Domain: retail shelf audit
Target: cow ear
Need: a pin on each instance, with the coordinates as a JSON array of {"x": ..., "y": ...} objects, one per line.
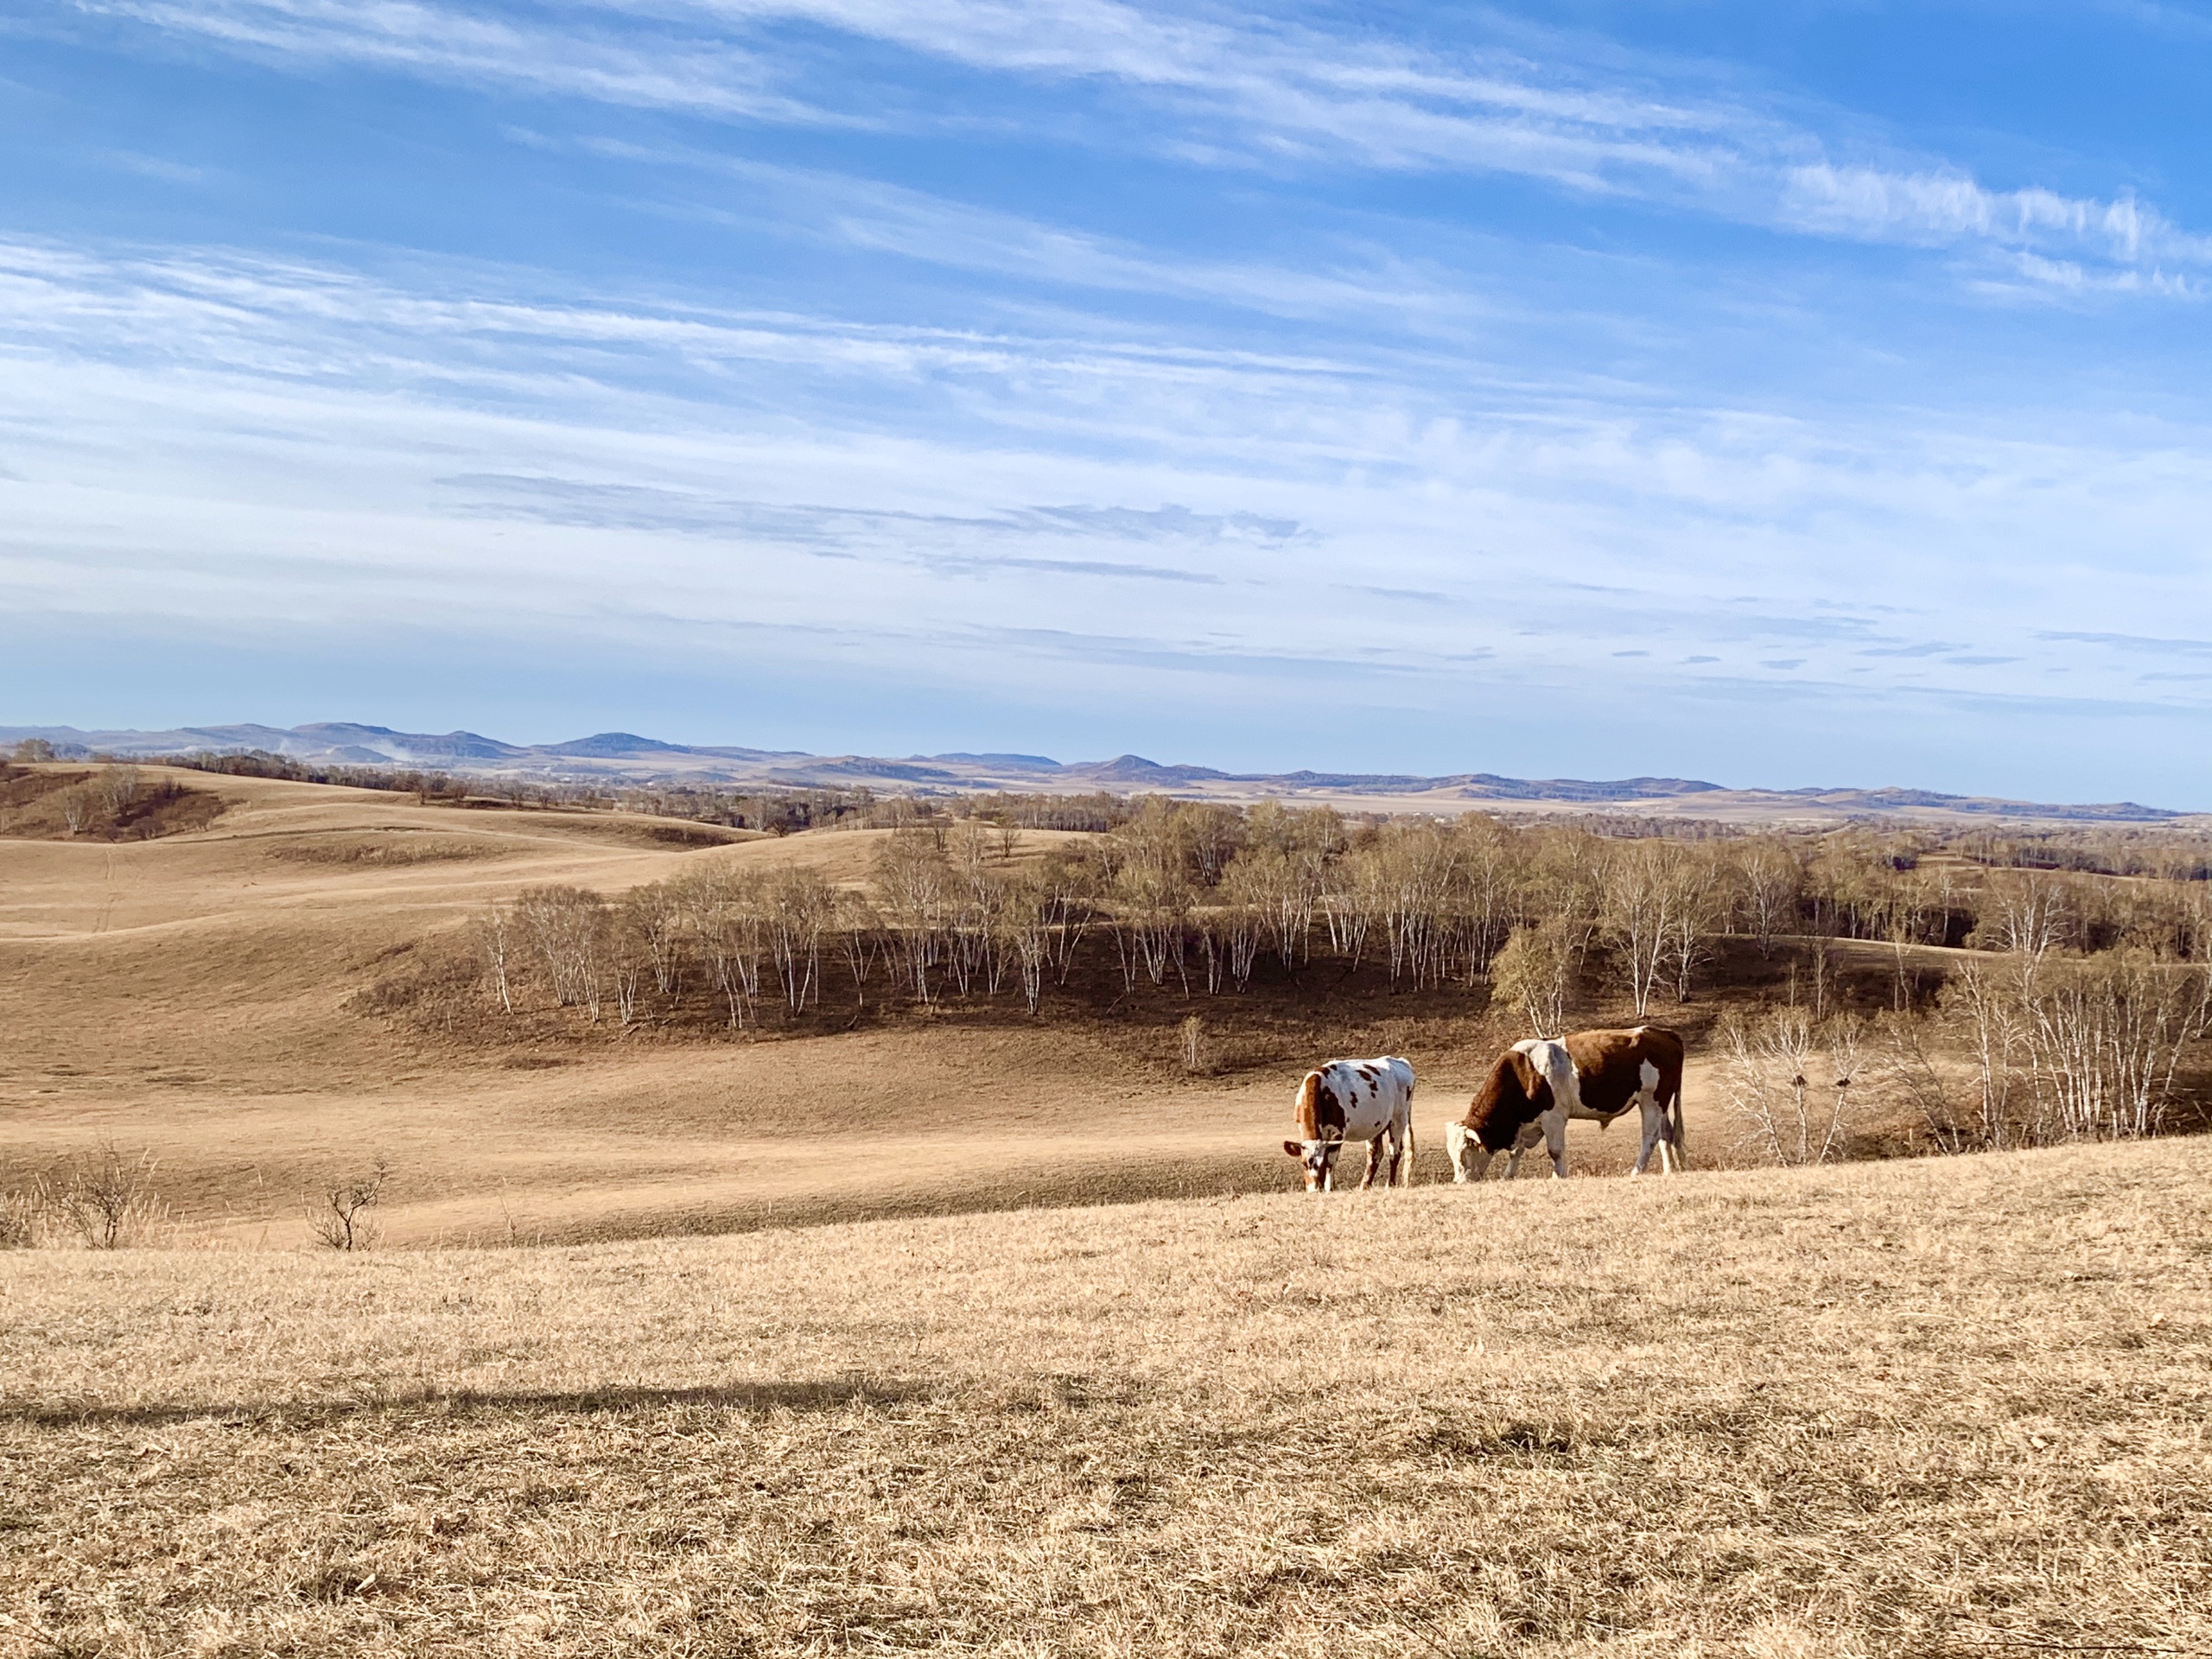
[{"x": 1293, "y": 1148}]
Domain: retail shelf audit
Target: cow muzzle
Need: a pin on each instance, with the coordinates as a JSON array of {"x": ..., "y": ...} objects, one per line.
[{"x": 1317, "y": 1161}]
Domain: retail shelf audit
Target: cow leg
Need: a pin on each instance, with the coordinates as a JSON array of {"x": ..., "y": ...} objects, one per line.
[
  {"x": 1654, "y": 1134},
  {"x": 1663, "y": 1129},
  {"x": 1555, "y": 1141},
  {"x": 1403, "y": 1172},
  {"x": 1374, "y": 1159},
  {"x": 1530, "y": 1133}
]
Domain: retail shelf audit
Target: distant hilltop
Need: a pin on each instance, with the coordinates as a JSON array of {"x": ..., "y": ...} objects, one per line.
[{"x": 626, "y": 758}]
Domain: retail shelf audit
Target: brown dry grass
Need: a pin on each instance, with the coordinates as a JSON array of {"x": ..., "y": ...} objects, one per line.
[
  {"x": 219, "y": 1000},
  {"x": 1908, "y": 1408},
  {"x": 1898, "y": 1409},
  {"x": 168, "y": 803}
]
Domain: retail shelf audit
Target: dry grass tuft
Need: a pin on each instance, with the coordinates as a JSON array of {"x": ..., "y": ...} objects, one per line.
[
  {"x": 387, "y": 851},
  {"x": 1908, "y": 1408}
]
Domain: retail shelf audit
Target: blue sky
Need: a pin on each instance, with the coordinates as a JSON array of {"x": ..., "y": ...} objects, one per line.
[{"x": 1780, "y": 393}]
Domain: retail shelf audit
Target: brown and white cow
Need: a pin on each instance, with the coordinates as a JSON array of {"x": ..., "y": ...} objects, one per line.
[
  {"x": 1355, "y": 1100},
  {"x": 1538, "y": 1085}
]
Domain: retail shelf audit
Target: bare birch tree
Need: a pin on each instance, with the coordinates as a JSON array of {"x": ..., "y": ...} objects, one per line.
[
  {"x": 1773, "y": 880},
  {"x": 495, "y": 942},
  {"x": 1640, "y": 901},
  {"x": 860, "y": 939},
  {"x": 1781, "y": 1111},
  {"x": 567, "y": 928},
  {"x": 1985, "y": 1003},
  {"x": 913, "y": 880},
  {"x": 800, "y": 907}
]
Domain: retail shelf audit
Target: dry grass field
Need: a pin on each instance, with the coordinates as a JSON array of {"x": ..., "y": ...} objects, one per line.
[
  {"x": 1938, "y": 1407},
  {"x": 1931, "y": 1409},
  {"x": 196, "y": 997}
]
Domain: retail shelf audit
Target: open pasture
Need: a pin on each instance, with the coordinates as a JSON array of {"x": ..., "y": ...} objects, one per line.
[
  {"x": 1908, "y": 1408},
  {"x": 201, "y": 997},
  {"x": 1934, "y": 1408}
]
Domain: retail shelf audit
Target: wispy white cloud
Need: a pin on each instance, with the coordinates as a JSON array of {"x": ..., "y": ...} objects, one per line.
[
  {"x": 1944, "y": 206},
  {"x": 586, "y": 54},
  {"x": 1255, "y": 90},
  {"x": 2035, "y": 273},
  {"x": 1246, "y": 92},
  {"x": 2131, "y": 243},
  {"x": 233, "y": 412},
  {"x": 873, "y": 217},
  {"x": 225, "y": 441},
  {"x": 2131, "y": 642}
]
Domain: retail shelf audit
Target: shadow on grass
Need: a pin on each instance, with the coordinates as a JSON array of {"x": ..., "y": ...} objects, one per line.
[
  {"x": 1094, "y": 1182},
  {"x": 827, "y": 1393}
]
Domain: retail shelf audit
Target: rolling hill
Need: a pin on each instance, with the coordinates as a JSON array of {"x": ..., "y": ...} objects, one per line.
[
  {"x": 623, "y": 757},
  {"x": 211, "y": 998}
]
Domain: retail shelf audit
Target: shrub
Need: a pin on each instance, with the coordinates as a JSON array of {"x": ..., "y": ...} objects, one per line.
[
  {"x": 107, "y": 1200},
  {"x": 343, "y": 1218}
]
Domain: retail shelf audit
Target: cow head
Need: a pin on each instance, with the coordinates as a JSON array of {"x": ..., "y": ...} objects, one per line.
[
  {"x": 1319, "y": 1117},
  {"x": 1513, "y": 1095},
  {"x": 1318, "y": 1160}
]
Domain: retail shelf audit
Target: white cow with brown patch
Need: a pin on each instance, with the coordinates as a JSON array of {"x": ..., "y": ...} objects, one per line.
[
  {"x": 1536, "y": 1086},
  {"x": 1355, "y": 1100}
]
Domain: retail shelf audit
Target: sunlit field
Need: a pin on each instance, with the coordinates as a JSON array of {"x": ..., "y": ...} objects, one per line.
[
  {"x": 1937, "y": 1407},
  {"x": 900, "y": 1327}
]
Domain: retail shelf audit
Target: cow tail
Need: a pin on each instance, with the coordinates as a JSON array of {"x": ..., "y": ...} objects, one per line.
[{"x": 1406, "y": 1152}]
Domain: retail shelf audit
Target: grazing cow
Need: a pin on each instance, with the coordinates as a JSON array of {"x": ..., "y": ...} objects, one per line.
[
  {"x": 1355, "y": 1100},
  {"x": 1538, "y": 1085}
]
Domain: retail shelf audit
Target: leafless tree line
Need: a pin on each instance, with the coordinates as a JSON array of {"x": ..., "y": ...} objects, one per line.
[
  {"x": 2065, "y": 1042},
  {"x": 2069, "y": 1007},
  {"x": 1196, "y": 894},
  {"x": 2069, "y": 1018}
]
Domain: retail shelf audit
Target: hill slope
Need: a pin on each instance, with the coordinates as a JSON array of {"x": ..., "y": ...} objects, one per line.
[
  {"x": 201, "y": 997},
  {"x": 1918, "y": 1408}
]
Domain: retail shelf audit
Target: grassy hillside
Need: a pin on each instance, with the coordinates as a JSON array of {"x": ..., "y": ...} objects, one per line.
[
  {"x": 1947, "y": 1406},
  {"x": 212, "y": 997}
]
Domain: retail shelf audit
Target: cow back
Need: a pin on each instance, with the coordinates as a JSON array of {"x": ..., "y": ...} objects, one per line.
[
  {"x": 1354, "y": 1100},
  {"x": 1610, "y": 1065}
]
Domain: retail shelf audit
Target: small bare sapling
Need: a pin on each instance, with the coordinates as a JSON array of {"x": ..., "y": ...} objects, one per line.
[{"x": 345, "y": 1216}]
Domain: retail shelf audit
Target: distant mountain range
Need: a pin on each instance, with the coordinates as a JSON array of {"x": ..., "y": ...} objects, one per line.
[{"x": 623, "y": 757}]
